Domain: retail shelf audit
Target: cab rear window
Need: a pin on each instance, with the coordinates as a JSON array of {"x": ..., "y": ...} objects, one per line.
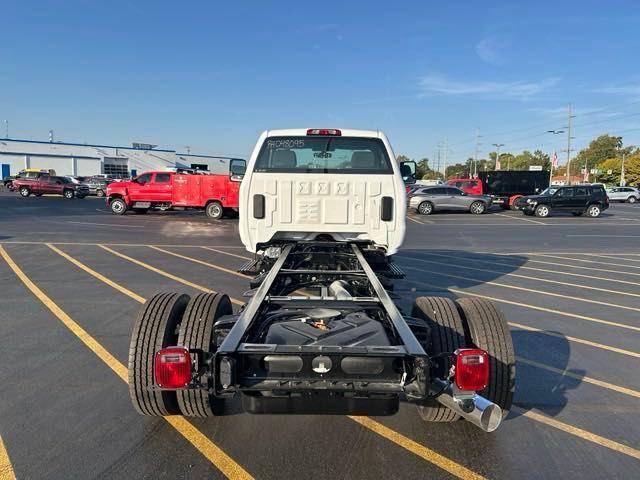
[{"x": 346, "y": 155}]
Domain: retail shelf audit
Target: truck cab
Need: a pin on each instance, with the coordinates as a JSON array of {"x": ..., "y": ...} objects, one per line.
[{"x": 306, "y": 184}]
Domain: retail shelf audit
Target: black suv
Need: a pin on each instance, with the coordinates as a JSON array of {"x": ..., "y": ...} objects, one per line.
[{"x": 577, "y": 199}]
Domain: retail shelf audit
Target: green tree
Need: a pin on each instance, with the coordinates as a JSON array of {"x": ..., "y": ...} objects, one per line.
[{"x": 600, "y": 149}]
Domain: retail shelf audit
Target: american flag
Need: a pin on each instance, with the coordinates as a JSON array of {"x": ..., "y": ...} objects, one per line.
[{"x": 554, "y": 160}]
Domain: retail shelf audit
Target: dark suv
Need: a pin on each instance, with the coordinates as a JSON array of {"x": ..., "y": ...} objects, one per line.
[{"x": 577, "y": 199}]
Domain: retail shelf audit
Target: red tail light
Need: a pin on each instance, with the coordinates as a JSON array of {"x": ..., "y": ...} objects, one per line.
[
  {"x": 472, "y": 369},
  {"x": 172, "y": 367},
  {"x": 324, "y": 131}
]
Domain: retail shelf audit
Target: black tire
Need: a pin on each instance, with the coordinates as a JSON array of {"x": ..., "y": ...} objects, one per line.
[
  {"x": 141, "y": 211},
  {"x": 197, "y": 332},
  {"x": 543, "y": 211},
  {"x": 632, "y": 199},
  {"x": 80, "y": 196},
  {"x": 425, "y": 208},
  {"x": 24, "y": 191},
  {"x": 528, "y": 214},
  {"x": 99, "y": 193},
  {"x": 478, "y": 208},
  {"x": 447, "y": 335},
  {"x": 577, "y": 214},
  {"x": 154, "y": 329},
  {"x": 214, "y": 210},
  {"x": 69, "y": 194},
  {"x": 118, "y": 206},
  {"x": 594, "y": 210},
  {"x": 487, "y": 329}
]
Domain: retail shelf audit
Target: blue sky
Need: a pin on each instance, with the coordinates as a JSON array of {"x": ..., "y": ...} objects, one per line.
[{"x": 212, "y": 75}]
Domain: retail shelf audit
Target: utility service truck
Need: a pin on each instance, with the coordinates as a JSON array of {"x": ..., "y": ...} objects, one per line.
[{"x": 323, "y": 211}]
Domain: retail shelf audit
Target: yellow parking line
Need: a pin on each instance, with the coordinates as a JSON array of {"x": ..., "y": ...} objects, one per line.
[
  {"x": 6, "y": 469},
  {"x": 556, "y": 264},
  {"x": 204, "y": 445},
  {"x": 527, "y": 277},
  {"x": 414, "y": 220},
  {"x": 226, "y": 253},
  {"x": 588, "y": 261},
  {"x": 586, "y": 379},
  {"x": 197, "y": 437},
  {"x": 494, "y": 263},
  {"x": 97, "y": 275},
  {"x": 519, "y": 218},
  {"x": 541, "y": 292},
  {"x": 201, "y": 262},
  {"x": 420, "y": 450},
  {"x": 581, "y": 341},
  {"x": 597, "y": 255},
  {"x": 579, "y": 432},
  {"x": 175, "y": 278},
  {"x": 538, "y": 330}
]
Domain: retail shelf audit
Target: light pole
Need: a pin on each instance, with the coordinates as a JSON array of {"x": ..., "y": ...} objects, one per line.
[{"x": 498, "y": 145}]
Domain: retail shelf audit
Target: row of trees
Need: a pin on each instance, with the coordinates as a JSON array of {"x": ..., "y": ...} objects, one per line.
[{"x": 605, "y": 154}]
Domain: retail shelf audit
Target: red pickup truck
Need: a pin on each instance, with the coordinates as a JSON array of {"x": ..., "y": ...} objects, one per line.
[
  {"x": 48, "y": 184},
  {"x": 215, "y": 194}
]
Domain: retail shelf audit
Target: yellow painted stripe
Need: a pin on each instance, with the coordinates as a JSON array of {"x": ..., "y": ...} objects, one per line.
[
  {"x": 6, "y": 469},
  {"x": 97, "y": 275},
  {"x": 226, "y": 253},
  {"x": 567, "y": 337},
  {"x": 579, "y": 432},
  {"x": 545, "y": 270},
  {"x": 210, "y": 451},
  {"x": 582, "y": 378},
  {"x": 542, "y": 292},
  {"x": 588, "y": 261},
  {"x": 175, "y": 278},
  {"x": 538, "y": 330},
  {"x": 527, "y": 277},
  {"x": 549, "y": 294},
  {"x": 201, "y": 262},
  {"x": 417, "y": 449},
  {"x": 611, "y": 257}
]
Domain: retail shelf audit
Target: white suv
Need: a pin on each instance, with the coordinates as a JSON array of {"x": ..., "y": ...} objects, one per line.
[{"x": 303, "y": 184}]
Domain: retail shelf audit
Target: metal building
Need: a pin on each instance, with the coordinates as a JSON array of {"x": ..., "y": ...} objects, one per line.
[{"x": 85, "y": 160}]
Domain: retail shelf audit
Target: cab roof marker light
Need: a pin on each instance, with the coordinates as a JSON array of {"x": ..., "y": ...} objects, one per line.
[{"x": 334, "y": 132}]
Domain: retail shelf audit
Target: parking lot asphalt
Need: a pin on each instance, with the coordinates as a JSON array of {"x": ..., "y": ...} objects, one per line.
[{"x": 72, "y": 277}]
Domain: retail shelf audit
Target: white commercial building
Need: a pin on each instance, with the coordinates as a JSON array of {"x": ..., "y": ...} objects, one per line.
[{"x": 85, "y": 160}]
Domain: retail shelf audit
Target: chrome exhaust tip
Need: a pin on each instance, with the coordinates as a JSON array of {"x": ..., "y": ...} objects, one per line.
[{"x": 474, "y": 408}]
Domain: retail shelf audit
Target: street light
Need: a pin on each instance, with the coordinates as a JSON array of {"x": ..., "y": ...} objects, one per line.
[{"x": 498, "y": 145}]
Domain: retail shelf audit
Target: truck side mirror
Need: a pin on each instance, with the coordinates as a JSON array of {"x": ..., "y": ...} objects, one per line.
[
  {"x": 408, "y": 171},
  {"x": 237, "y": 167}
]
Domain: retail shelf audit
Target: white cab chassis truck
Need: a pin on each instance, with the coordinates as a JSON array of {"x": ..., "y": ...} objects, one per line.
[{"x": 322, "y": 210}]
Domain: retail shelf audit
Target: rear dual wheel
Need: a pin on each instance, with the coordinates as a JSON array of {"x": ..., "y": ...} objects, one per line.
[
  {"x": 169, "y": 319},
  {"x": 467, "y": 323}
]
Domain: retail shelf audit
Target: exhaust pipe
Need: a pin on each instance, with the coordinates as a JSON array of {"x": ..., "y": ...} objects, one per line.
[{"x": 474, "y": 408}]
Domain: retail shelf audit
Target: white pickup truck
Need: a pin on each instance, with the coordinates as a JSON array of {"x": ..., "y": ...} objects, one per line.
[{"x": 323, "y": 210}]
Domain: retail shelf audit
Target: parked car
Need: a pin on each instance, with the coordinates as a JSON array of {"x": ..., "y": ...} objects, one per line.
[
  {"x": 623, "y": 194},
  {"x": 578, "y": 199},
  {"x": 26, "y": 173},
  {"x": 47, "y": 184},
  {"x": 98, "y": 185},
  {"x": 427, "y": 200}
]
